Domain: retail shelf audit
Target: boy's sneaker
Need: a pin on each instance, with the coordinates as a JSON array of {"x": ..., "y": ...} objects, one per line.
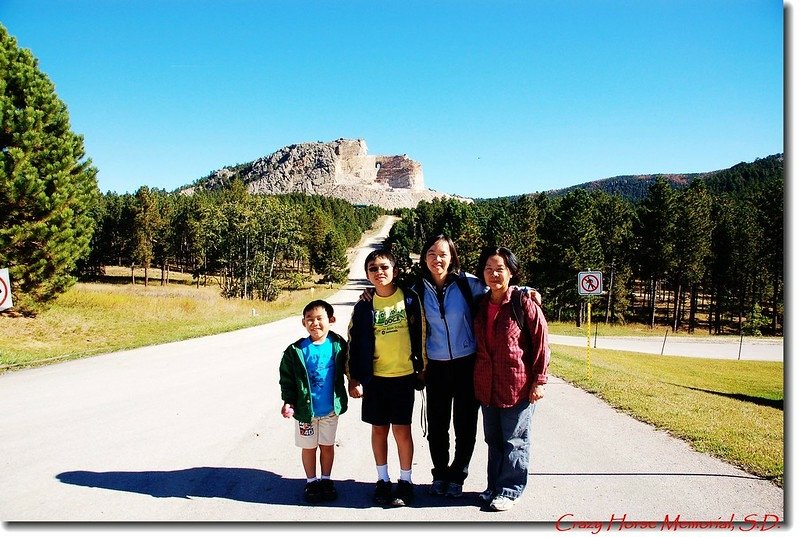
[
  {"x": 454, "y": 490},
  {"x": 313, "y": 493},
  {"x": 502, "y": 503},
  {"x": 383, "y": 492},
  {"x": 438, "y": 488},
  {"x": 403, "y": 495},
  {"x": 486, "y": 496},
  {"x": 328, "y": 490}
]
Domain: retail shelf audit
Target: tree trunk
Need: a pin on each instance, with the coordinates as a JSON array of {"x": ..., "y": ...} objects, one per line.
[
  {"x": 692, "y": 310},
  {"x": 610, "y": 295},
  {"x": 654, "y": 302},
  {"x": 677, "y": 302}
]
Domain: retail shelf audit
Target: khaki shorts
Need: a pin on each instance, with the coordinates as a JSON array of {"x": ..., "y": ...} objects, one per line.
[{"x": 321, "y": 431}]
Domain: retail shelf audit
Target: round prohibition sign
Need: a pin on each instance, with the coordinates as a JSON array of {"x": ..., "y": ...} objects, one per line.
[
  {"x": 589, "y": 283},
  {"x": 3, "y": 291}
]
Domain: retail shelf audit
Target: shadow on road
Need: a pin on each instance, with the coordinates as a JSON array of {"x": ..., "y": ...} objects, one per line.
[
  {"x": 243, "y": 485},
  {"x": 649, "y": 474}
]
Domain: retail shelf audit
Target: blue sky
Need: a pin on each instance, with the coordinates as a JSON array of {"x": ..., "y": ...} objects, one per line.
[{"x": 493, "y": 98}]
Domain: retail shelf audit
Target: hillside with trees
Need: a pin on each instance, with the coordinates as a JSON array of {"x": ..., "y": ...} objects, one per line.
[
  {"x": 704, "y": 256},
  {"x": 636, "y": 187},
  {"x": 251, "y": 245}
]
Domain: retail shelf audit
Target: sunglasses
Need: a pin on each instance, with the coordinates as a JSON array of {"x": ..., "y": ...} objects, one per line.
[{"x": 384, "y": 268}]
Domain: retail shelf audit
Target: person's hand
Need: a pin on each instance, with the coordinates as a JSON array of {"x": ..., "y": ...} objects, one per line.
[
  {"x": 536, "y": 393},
  {"x": 355, "y": 389},
  {"x": 287, "y": 411},
  {"x": 367, "y": 294},
  {"x": 536, "y": 296}
]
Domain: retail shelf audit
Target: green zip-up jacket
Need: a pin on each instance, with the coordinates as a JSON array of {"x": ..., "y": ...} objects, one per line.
[{"x": 295, "y": 387}]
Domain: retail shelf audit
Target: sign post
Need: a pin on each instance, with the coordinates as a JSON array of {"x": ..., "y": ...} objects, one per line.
[
  {"x": 589, "y": 283},
  {"x": 6, "y": 301}
]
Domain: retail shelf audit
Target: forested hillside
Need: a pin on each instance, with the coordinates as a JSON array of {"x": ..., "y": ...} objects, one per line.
[
  {"x": 252, "y": 246},
  {"x": 636, "y": 187},
  {"x": 705, "y": 256}
]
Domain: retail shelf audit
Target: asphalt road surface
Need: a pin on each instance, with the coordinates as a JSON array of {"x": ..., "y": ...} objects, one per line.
[{"x": 191, "y": 432}]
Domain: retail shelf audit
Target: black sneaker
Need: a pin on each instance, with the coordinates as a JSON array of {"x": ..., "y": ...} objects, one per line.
[
  {"x": 383, "y": 492},
  {"x": 403, "y": 495},
  {"x": 313, "y": 493},
  {"x": 328, "y": 490}
]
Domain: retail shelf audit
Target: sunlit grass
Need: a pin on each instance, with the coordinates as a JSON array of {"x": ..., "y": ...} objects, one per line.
[
  {"x": 732, "y": 409},
  {"x": 95, "y": 318}
]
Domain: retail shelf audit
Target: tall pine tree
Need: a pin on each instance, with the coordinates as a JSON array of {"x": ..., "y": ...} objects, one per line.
[{"x": 47, "y": 188}]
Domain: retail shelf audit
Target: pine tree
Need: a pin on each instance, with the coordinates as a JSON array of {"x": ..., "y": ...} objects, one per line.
[
  {"x": 655, "y": 236},
  {"x": 47, "y": 189}
]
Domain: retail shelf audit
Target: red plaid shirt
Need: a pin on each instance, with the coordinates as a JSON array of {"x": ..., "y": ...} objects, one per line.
[{"x": 507, "y": 369}]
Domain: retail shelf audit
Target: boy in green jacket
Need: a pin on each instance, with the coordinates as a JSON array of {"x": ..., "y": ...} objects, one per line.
[{"x": 312, "y": 374}]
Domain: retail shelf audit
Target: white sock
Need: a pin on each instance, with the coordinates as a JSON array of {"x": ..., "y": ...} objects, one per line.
[
  {"x": 382, "y": 472},
  {"x": 310, "y": 479},
  {"x": 405, "y": 475},
  {"x": 325, "y": 477}
]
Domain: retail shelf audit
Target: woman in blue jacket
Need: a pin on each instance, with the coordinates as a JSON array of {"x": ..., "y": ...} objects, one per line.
[{"x": 448, "y": 294}]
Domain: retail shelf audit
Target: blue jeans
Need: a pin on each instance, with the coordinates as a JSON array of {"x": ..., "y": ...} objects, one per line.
[{"x": 507, "y": 433}]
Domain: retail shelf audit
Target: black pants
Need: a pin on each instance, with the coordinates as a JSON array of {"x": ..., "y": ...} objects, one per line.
[{"x": 450, "y": 393}]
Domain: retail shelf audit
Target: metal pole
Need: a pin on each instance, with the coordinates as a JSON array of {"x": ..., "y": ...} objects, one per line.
[
  {"x": 740, "y": 344},
  {"x": 588, "y": 337},
  {"x": 664, "y": 342}
]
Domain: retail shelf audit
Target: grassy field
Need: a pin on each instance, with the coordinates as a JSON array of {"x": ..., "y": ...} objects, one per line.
[
  {"x": 95, "y": 318},
  {"x": 728, "y": 408}
]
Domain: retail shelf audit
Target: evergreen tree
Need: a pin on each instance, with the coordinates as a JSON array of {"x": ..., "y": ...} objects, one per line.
[
  {"x": 47, "y": 188},
  {"x": 333, "y": 258},
  {"x": 693, "y": 230},
  {"x": 614, "y": 222},
  {"x": 655, "y": 238},
  {"x": 146, "y": 225}
]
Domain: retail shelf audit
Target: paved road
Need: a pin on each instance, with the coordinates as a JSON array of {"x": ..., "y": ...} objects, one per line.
[
  {"x": 729, "y": 348},
  {"x": 191, "y": 431}
]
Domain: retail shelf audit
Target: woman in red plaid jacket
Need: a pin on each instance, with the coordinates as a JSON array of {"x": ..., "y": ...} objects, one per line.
[{"x": 509, "y": 373}]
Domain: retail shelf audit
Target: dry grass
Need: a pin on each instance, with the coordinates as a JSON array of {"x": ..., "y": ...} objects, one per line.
[{"x": 95, "y": 318}]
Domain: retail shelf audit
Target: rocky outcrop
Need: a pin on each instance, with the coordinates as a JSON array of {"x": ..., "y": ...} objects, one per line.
[{"x": 342, "y": 169}]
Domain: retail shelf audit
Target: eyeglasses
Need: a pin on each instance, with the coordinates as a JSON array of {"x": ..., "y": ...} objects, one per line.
[{"x": 384, "y": 268}]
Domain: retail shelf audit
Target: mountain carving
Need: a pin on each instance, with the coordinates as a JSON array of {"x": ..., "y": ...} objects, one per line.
[{"x": 341, "y": 169}]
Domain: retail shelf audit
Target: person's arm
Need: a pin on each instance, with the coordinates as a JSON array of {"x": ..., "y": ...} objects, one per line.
[
  {"x": 539, "y": 338},
  {"x": 288, "y": 386},
  {"x": 367, "y": 295},
  {"x": 354, "y": 387}
]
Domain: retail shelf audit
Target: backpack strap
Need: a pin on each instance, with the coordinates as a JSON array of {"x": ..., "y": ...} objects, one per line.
[
  {"x": 518, "y": 309},
  {"x": 466, "y": 291}
]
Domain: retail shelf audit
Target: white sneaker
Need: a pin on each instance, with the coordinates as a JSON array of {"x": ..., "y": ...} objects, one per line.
[{"x": 502, "y": 503}]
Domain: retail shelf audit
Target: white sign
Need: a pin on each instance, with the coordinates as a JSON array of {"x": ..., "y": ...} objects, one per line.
[
  {"x": 589, "y": 283},
  {"x": 5, "y": 290}
]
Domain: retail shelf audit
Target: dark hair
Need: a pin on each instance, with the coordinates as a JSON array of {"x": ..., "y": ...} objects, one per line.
[
  {"x": 510, "y": 261},
  {"x": 318, "y": 304},
  {"x": 454, "y": 264},
  {"x": 380, "y": 252}
]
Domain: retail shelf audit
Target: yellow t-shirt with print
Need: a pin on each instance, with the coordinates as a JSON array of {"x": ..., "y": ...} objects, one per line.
[{"x": 392, "y": 337}]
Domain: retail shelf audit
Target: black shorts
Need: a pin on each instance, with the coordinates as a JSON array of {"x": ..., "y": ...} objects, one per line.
[{"x": 388, "y": 400}]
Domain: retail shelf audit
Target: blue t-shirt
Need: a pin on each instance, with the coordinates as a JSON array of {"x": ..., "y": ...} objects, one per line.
[{"x": 321, "y": 374}]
